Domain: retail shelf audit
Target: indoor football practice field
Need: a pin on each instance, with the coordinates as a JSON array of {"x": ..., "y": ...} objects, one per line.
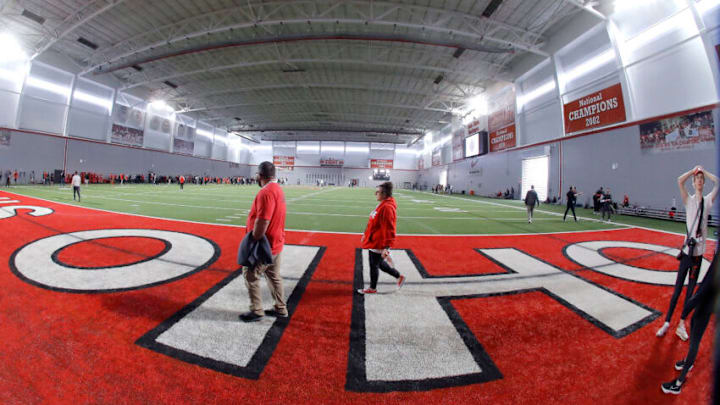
[{"x": 133, "y": 296}]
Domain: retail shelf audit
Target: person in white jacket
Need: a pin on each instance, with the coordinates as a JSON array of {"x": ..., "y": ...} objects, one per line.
[{"x": 76, "y": 186}]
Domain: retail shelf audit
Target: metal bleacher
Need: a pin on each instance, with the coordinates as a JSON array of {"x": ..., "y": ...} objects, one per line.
[{"x": 669, "y": 215}]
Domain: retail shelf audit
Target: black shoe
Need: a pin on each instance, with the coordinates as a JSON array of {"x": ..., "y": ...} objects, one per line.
[
  {"x": 680, "y": 364},
  {"x": 672, "y": 387},
  {"x": 276, "y": 314},
  {"x": 250, "y": 317}
]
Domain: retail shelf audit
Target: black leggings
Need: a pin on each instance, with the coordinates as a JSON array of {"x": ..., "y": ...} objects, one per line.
[
  {"x": 686, "y": 263},
  {"x": 570, "y": 207},
  {"x": 377, "y": 261},
  {"x": 76, "y": 190},
  {"x": 698, "y": 325}
]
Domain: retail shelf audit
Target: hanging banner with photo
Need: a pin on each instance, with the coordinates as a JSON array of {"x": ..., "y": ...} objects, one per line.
[
  {"x": 683, "y": 132},
  {"x": 183, "y": 147},
  {"x": 381, "y": 163},
  {"x": 598, "y": 109},
  {"x": 284, "y": 161},
  {"x": 128, "y": 116},
  {"x": 126, "y": 135},
  {"x": 502, "y": 139},
  {"x": 184, "y": 141},
  {"x": 437, "y": 157},
  {"x": 458, "y": 144},
  {"x": 504, "y": 114},
  {"x": 330, "y": 162},
  {"x": 421, "y": 162},
  {"x": 4, "y": 139}
]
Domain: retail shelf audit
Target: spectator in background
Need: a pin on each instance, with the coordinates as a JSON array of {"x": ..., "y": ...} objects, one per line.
[
  {"x": 596, "y": 200},
  {"x": 571, "y": 201},
  {"x": 15, "y": 176},
  {"x": 606, "y": 205},
  {"x": 76, "y": 186},
  {"x": 531, "y": 199}
]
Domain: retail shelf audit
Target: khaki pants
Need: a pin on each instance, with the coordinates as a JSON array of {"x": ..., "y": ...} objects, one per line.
[
  {"x": 274, "y": 282},
  {"x": 530, "y": 209}
]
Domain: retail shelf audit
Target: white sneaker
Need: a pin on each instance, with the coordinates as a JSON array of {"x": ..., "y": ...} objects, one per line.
[
  {"x": 663, "y": 329},
  {"x": 681, "y": 332}
]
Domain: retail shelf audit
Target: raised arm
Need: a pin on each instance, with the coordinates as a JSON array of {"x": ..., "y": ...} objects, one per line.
[
  {"x": 681, "y": 184},
  {"x": 713, "y": 194}
]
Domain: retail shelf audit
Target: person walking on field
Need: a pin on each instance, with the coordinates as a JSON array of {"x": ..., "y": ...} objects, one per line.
[
  {"x": 697, "y": 209},
  {"x": 379, "y": 237},
  {"x": 76, "y": 186},
  {"x": 266, "y": 219},
  {"x": 571, "y": 200},
  {"x": 181, "y": 180},
  {"x": 531, "y": 199}
]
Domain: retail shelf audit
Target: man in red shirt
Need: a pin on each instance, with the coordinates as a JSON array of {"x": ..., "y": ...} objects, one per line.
[
  {"x": 379, "y": 237},
  {"x": 181, "y": 180},
  {"x": 266, "y": 218}
]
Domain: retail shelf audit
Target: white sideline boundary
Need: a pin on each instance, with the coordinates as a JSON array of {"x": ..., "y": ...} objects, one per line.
[{"x": 359, "y": 233}]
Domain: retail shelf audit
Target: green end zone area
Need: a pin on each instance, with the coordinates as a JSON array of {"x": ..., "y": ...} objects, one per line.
[{"x": 338, "y": 209}]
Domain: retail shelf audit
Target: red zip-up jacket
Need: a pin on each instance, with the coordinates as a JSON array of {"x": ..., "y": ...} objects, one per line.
[{"x": 380, "y": 231}]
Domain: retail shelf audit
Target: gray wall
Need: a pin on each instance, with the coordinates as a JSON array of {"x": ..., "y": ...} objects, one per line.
[
  {"x": 610, "y": 159},
  {"x": 29, "y": 152}
]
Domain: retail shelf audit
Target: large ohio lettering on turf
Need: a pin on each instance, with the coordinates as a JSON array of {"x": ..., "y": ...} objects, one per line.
[{"x": 415, "y": 340}]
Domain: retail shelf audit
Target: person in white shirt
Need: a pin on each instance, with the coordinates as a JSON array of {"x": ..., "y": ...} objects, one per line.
[
  {"x": 696, "y": 220},
  {"x": 76, "y": 186}
]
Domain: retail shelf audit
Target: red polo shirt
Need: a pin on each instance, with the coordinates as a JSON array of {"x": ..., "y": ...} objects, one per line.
[{"x": 269, "y": 204}]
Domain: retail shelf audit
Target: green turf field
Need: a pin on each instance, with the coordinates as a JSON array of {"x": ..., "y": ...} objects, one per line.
[{"x": 338, "y": 209}]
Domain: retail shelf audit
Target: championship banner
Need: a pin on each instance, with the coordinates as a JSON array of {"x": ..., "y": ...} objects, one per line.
[
  {"x": 381, "y": 163},
  {"x": 331, "y": 162},
  {"x": 436, "y": 157},
  {"x": 503, "y": 139},
  {"x": 421, "y": 163},
  {"x": 4, "y": 139},
  {"x": 473, "y": 127},
  {"x": 683, "y": 132},
  {"x": 458, "y": 144},
  {"x": 284, "y": 161},
  {"x": 598, "y": 109}
]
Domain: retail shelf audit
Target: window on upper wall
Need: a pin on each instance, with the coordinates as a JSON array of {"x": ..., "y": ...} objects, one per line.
[
  {"x": 308, "y": 148},
  {"x": 536, "y": 87},
  {"x": 587, "y": 59},
  {"x": 643, "y": 28}
]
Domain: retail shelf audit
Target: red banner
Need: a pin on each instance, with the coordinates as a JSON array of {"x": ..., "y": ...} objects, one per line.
[
  {"x": 331, "y": 162},
  {"x": 381, "y": 163},
  {"x": 284, "y": 161},
  {"x": 503, "y": 139},
  {"x": 598, "y": 109},
  {"x": 473, "y": 127}
]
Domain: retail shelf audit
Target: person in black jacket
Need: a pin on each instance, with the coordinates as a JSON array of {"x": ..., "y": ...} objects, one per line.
[
  {"x": 702, "y": 302},
  {"x": 571, "y": 200},
  {"x": 531, "y": 199}
]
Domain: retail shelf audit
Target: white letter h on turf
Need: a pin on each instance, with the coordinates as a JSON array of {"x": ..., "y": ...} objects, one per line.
[{"x": 415, "y": 340}]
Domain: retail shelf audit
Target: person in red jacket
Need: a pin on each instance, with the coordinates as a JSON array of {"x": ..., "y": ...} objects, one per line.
[
  {"x": 379, "y": 237},
  {"x": 181, "y": 180}
]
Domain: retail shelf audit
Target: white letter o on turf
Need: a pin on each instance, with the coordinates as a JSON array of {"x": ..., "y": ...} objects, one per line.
[
  {"x": 187, "y": 253},
  {"x": 588, "y": 254}
]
